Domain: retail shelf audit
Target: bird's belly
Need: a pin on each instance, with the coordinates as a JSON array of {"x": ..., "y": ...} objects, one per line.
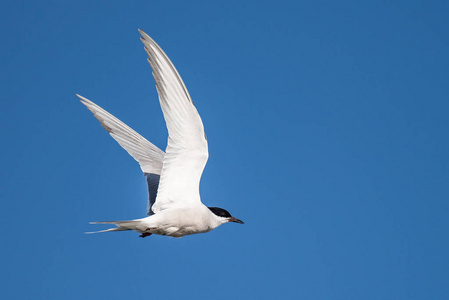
[
  {"x": 180, "y": 222},
  {"x": 180, "y": 232}
]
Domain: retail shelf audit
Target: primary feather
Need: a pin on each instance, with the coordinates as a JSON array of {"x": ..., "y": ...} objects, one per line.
[
  {"x": 187, "y": 151},
  {"x": 149, "y": 157}
]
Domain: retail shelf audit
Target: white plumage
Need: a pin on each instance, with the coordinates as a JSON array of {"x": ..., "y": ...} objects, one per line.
[{"x": 173, "y": 178}]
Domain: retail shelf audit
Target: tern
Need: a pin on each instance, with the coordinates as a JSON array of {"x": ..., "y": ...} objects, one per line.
[{"x": 174, "y": 205}]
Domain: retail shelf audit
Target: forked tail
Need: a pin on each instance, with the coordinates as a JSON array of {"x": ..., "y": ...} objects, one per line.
[{"x": 121, "y": 226}]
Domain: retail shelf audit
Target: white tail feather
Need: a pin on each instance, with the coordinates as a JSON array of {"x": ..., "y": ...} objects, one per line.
[
  {"x": 108, "y": 230},
  {"x": 121, "y": 226}
]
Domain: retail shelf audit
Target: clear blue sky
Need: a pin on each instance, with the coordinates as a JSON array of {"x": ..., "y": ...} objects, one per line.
[{"x": 327, "y": 124}]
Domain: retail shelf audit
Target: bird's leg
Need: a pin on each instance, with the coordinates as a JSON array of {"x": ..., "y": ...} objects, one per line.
[{"x": 147, "y": 232}]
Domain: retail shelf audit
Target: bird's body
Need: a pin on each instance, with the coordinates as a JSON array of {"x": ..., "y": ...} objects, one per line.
[
  {"x": 189, "y": 220},
  {"x": 175, "y": 208}
]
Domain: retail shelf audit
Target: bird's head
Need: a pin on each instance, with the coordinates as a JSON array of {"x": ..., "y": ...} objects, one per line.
[{"x": 224, "y": 215}]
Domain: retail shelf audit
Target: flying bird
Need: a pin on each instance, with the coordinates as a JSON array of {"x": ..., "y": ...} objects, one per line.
[{"x": 174, "y": 205}]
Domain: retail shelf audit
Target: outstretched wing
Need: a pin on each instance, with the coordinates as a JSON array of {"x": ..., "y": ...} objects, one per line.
[
  {"x": 187, "y": 152},
  {"x": 149, "y": 157}
]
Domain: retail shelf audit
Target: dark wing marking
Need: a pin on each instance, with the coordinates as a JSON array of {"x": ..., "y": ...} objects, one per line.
[{"x": 153, "y": 184}]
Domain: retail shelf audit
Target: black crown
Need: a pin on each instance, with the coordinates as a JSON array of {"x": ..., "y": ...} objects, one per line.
[{"x": 220, "y": 212}]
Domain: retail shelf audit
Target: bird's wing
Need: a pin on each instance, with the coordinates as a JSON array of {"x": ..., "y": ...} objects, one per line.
[
  {"x": 187, "y": 152},
  {"x": 149, "y": 157}
]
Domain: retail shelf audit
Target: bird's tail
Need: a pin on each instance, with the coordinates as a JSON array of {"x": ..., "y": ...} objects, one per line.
[{"x": 121, "y": 226}]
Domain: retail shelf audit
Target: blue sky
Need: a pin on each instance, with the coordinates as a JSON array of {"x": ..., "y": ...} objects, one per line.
[{"x": 327, "y": 124}]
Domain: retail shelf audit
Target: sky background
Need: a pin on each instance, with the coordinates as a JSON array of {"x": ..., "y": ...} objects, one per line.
[{"x": 327, "y": 124}]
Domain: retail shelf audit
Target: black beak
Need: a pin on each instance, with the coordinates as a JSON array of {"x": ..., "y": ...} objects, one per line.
[{"x": 232, "y": 219}]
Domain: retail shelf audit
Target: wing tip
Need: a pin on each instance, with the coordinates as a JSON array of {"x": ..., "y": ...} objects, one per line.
[
  {"x": 143, "y": 34},
  {"x": 146, "y": 39},
  {"x": 84, "y": 100}
]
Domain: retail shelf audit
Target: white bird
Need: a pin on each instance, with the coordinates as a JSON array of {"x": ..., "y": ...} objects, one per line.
[{"x": 173, "y": 178}]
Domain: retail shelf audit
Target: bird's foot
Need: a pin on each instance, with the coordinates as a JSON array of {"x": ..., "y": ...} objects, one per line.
[{"x": 147, "y": 232}]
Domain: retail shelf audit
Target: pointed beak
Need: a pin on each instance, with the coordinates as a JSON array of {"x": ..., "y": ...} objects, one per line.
[{"x": 232, "y": 219}]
